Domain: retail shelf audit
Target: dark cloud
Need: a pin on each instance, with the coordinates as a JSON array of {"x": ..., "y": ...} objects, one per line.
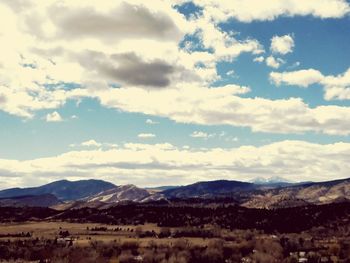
[
  {"x": 2, "y": 99},
  {"x": 52, "y": 52},
  {"x": 129, "y": 69},
  {"x": 6, "y": 173},
  {"x": 17, "y": 5},
  {"x": 134, "y": 71},
  {"x": 124, "y": 21}
]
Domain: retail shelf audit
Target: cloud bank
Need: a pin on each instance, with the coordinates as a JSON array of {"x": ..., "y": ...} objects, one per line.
[{"x": 146, "y": 164}]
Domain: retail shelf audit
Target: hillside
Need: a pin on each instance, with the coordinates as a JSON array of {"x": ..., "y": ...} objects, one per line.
[
  {"x": 284, "y": 220},
  {"x": 63, "y": 190},
  {"x": 209, "y": 189},
  {"x": 297, "y": 195},
  {"x": 45, "y": 200},
  {"x": 120, "y": 193}
]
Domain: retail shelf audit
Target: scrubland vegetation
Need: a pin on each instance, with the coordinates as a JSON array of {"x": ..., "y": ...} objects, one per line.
[{"x": 162, "y": 233}]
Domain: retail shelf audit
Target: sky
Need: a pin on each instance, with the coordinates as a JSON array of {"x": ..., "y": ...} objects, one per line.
[{"x": 173, "y": 92}]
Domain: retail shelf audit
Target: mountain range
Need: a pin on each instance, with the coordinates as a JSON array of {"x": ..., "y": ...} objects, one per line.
[
  {"x": 270, "y": 194},
  {"x": 64, "y": 190}
]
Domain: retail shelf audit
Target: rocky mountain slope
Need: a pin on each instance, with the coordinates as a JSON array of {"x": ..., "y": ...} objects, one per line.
[
  {"x": 119, "y": 194},
  {"x": 297, "y": 195}
]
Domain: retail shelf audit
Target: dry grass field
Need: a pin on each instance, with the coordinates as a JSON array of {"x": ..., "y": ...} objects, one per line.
[
  {"x": 84, "y": 234},
  {"x": 58, "y": 241}
]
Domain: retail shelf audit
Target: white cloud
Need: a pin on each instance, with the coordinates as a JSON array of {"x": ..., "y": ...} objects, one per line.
[
  {"x": 230, "y": 72},
  {"x": 224, "y": 45},
  {"x": 53, "y": 117},
  {"x": 151, "y": 122},
  {"x": 91, "y": 143},
  {"x": 146, "y": 135},
  {"x": 48, "y": 50},
  {"x": 94, "y": 144},
  {"x": 203, "y": 135},
  {"x": 336, "y": 87},
  {"x": 39, "y": 49},
  {"x": 232, "y": 88},
  {"x": 259, "y": 59},
  {"x": 302, "y": 78},
  {"x": 220, "y": 106},
  {"x": 274, "y": 62},
  {"x": 251, "y": 10},
  {"x": 145, "y": 164},
  {"x": 282, "y": 44}
]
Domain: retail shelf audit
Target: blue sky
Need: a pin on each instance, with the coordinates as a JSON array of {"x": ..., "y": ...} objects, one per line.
[{"x": 234, "y": 91}]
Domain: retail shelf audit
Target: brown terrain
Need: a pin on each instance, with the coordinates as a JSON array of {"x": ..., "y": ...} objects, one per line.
[{"x": 219, "y": 221}]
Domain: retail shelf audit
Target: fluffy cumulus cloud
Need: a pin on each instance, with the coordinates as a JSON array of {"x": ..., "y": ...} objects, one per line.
[
  {"x": 336, "y": 87},
  {"x": 53, "y": 117},
  {"x": 47, "y": 46},
  {"x": 282, "y": 44},
  {"x": 91, "y": 143},
  {"x": 42, "y": 49},
  {"x": 273, "y": 62},
  {"x": 57, "y": 51},
  {"x": 302, "y": 78},
  {"x": 217, "y": 106},
  {"x": 145, "y": 164},
  {"x": 252, "y": 10},
  {"x": 148, "y": 58}
]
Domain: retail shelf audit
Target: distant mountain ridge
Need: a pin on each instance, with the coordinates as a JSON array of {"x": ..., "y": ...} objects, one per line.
[
  {"x": 309, "y": 192},
  {"x": 209, "y": 189},
  {"x": 267, "y": 195},
  {"x": 101, "y": 194},
  {"x": 63, "y": 189}
]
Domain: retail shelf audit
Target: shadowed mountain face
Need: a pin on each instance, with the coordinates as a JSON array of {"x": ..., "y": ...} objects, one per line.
[
  {"x": 209, "y": 189},
  {"x": 63, "y": 190},
  {"x": 44, "y": 200}
]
